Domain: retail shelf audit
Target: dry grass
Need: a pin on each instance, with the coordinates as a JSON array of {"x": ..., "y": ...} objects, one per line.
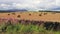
[{"x": 44, "y": 16}]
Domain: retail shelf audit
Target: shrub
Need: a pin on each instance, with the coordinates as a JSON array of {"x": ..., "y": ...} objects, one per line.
[
  {"x": 8, "y": 14},
  {"x": 13, "y": 13},
  {"x": 18, "y": 16},
  {"x": 40, "y": 14},
  {"x": 29, "y": 14}
]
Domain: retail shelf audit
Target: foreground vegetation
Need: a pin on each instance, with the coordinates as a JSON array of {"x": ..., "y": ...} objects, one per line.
[{"x": 24, "y": 29}]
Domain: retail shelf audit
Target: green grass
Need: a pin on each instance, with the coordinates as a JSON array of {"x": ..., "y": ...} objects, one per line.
[{"x": 26, "y": 29}]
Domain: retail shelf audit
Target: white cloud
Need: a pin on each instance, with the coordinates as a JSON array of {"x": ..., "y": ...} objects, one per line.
[
  {"x": 32, "y": 4},
  {"x": 3, "y": 5}
]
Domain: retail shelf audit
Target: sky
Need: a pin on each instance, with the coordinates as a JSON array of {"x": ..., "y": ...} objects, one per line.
[{"x": 30, "y": 4}]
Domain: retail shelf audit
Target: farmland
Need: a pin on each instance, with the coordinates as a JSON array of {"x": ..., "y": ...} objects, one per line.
[
  {"x": 30, "y": 23},
  {"x": 44, "y": 16}
]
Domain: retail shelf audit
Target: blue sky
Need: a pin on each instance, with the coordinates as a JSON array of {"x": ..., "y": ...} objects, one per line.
[{"x": 30, "y": 4}]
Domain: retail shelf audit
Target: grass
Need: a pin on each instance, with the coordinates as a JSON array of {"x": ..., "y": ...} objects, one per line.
[{"x": 25, "y": 29}]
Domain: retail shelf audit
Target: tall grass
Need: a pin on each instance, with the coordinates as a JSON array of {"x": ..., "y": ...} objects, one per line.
[{"x": 25, "y": 29}]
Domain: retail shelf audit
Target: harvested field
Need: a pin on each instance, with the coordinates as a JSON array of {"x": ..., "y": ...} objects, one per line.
[
  {"x": 30, "y": 23},
  {"x": 43, "y": 16}
]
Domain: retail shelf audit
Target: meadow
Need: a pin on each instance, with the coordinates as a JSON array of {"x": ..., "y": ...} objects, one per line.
[{"x": 20, "y": 28}]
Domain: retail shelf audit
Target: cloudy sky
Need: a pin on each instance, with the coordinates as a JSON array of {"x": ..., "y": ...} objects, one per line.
[{"x": 30, "y": 4}]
